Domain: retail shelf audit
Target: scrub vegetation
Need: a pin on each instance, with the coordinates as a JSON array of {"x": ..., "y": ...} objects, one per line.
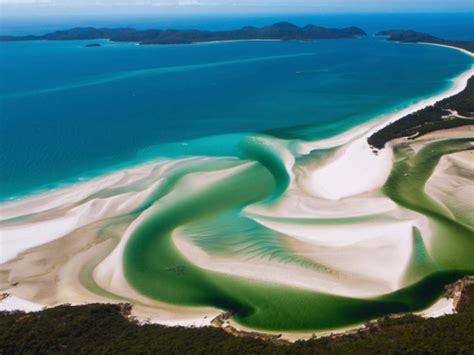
[{"x": 104, "y": 328}]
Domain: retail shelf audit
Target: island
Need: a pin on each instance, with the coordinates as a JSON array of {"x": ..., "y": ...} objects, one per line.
[
  {"x": 410, "y": 36},
  {"x": 93, "y": 45},
  {"x": 283, "y": 31}
]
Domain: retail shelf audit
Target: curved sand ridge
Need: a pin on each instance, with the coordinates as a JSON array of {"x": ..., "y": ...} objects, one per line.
[{"x": 332, "y": 231}]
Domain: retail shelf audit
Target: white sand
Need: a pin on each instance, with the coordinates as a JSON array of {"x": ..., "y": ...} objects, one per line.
[
  {"x": 372, "y": 256},
  {"x": 369, "y": 257},
  {"x": 198, "y": 317},
  {"x": 73, "y": 194},
  {"x": 13, "y": 303},
  {"x": 465, "y": 51},
  {"x": 298, "y": 204},
  {"x": 238, "y": 40},
  {"x": 195, "y": 318},
  {"x": 452, "y": 186},
  {"x": 17, "y": 238},
  {"x": 441, "y": 308},
  {"x": 356, "y": 169},
  {"x": 109, "y": 273},
  {"x": 348, "y": 280}
]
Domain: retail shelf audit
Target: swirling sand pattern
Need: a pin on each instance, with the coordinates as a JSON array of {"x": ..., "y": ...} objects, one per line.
[
  {"x": 300, "y": 236},
  {"x": 207, "y": 232}
]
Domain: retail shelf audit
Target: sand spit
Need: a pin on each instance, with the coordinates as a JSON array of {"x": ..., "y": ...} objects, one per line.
[
  {"x": 47, "y": 217},
  {"x": 465, "y": 51},
  {"x": 355, "y": 168}
]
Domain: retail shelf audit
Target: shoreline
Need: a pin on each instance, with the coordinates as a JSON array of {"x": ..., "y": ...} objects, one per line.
[
  {"x": 279, "y": 30},
  {"x": 352, "y": 151},
  {"x": 355, "y": 156},
  {"x": 339, "y": 139},
  {"x": 447, "y": 305},
  {"x": 465, "y": 51}
]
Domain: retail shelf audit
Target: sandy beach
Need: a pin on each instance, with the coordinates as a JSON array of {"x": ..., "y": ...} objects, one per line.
[{"x": 67, "y": 245}]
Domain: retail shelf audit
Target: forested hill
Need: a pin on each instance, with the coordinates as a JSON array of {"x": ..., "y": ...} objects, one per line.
[
  {"x": 278, "y": 31},
  {"x": 409, "y": 36}
]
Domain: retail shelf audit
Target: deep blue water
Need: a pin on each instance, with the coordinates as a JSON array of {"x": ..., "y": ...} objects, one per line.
[{"x": 68, "y": 111}]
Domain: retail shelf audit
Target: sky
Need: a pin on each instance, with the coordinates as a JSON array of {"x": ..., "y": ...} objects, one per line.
[{"x": 97, "y": 7}]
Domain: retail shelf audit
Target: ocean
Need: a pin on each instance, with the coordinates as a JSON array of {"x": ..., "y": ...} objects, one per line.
[
  {"x": 264, "y": 219},
  {"x": 70, "y": 113}
]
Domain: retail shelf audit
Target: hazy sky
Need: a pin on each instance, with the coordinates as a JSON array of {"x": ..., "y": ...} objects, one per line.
[{"x": 25, "y": 7}]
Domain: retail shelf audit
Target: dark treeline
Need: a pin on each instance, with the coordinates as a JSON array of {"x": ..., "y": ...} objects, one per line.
[
  {"x": 408, "y": 36},
  {"x": 442, "y": 115},
  {"x": 101, "y": 328}
]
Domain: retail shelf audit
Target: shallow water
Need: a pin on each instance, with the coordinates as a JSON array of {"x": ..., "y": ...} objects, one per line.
[
  {"x": 70, "y": 112},
  {"x": 74, "y": 113},
  {"x": 205, "y": 200},
  {"x": 156, "y": 268}
]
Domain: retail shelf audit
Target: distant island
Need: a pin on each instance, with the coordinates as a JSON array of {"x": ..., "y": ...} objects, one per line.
[
  {"x": 93, "y": 45},
  {"x": 284, "y": 31},
  {"x": 409, "y": 36}
]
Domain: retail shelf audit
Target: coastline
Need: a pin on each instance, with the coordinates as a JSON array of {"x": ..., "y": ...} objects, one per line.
[
  {"x": 465, "y": 51},
  {"x": 279, "y": 30},
  {"x": 355, "y": 157},
  {"x": 339, "y": 139},
  {"x": 352, "y": 150}
]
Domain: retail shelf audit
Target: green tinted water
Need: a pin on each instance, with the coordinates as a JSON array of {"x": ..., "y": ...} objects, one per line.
[{"x": 156, "y": 269}]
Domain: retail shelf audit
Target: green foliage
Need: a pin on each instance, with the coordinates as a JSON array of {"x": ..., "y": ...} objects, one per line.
[
  {"x": 409, "y": 36},
  {"x": 281, "y": 30},
  {"x": 429, "y": 119},
  {"x": 100, "y": 328}
]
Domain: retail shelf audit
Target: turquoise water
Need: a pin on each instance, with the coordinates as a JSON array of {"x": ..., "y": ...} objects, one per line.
[
  {"x": 70, "y": 112},
  {"x": 212, "y": 219}
]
